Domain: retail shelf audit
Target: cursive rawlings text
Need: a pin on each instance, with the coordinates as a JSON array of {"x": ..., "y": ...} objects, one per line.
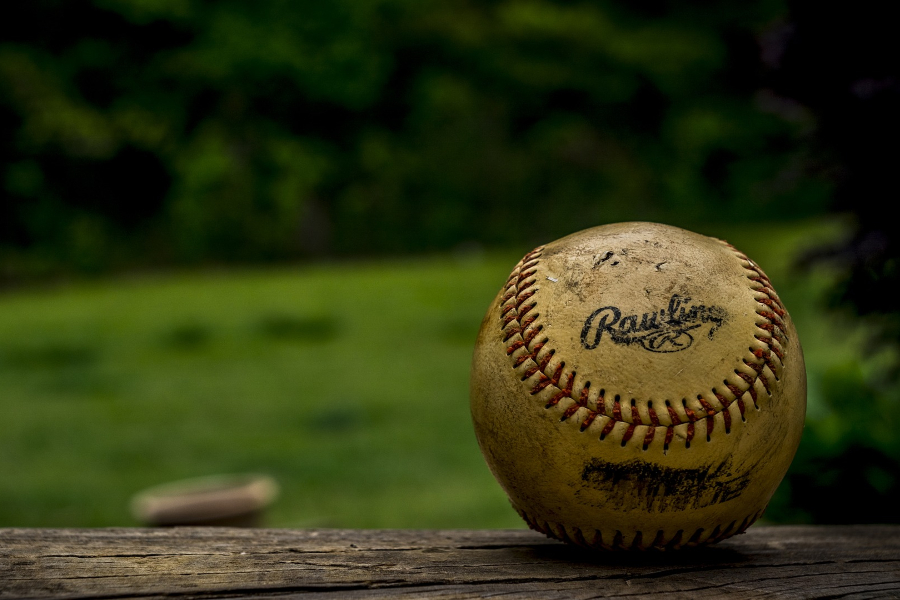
[{"x": 662, "y": 330}]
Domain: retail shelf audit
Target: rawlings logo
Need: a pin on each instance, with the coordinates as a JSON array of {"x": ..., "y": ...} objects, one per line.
[{"x": 663, "y": 330}]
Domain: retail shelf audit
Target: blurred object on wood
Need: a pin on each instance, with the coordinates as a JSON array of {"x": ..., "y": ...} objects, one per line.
[{"x": 217, "y": 500}]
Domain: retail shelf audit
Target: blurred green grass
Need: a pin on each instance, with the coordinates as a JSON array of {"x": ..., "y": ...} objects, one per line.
[{"x": 347, "y": 382}]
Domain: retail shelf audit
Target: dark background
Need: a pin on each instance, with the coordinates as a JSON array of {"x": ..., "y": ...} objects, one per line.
[{"x": 139, "y": 134}]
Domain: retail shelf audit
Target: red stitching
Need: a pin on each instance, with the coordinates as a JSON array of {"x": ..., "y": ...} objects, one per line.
[
  {"x": 570, "y": 411},
  {"x": 609, "y": 427},
  {"x": 774, "y": 331},
  {"x": 524, "y": 358},
  {"x": 527, "y": 284},
  {"x": 759, "y": 374},
  {"x": 544, "y": 382},
  {"x": 584, "y": 391},
  {"x": 746, "y": 378},
  {"x": 524, "y": 311},
  {"x": 765, "y": 356},
  {"x": 750, "y": 380},
  {"x": 529, "y": 335},
  {"x": 773, "y": 305},
  {"x": 556, "y": 398},
  {"x": 773, "y": 318},
  {"x": 518, "y": 318},
  {"x": 523, "y": 297},
  {"x": 546, "y": 360},
  {"x": 515, "y": 346},
  {"x": 511, "y": 332},
  {"x": 558, "y": 373},
  {"x": 531, "y": 371},
  {"x": 648, "y": 438},
  {"x": 566, "y": 392},
  {"x": 692, "y": 416},
  {"x": 676, "y": 420},
  {"x": 706, "y": 405}
]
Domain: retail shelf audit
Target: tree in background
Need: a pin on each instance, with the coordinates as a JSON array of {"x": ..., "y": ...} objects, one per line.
[{"x": 165, "y": 131}]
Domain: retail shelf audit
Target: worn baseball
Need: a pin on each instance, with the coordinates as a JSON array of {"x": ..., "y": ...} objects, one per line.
[{"x": 638, "y": 386}]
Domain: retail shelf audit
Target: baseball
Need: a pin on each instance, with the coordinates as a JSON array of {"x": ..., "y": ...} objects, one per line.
[{"x": 638, "y": 386}]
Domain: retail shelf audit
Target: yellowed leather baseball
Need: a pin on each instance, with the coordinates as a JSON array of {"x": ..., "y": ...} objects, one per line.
[{"x": 638, "y": 386}]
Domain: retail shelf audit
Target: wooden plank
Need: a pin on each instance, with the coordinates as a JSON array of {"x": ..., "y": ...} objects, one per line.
[{"x": 766, "y": 562}]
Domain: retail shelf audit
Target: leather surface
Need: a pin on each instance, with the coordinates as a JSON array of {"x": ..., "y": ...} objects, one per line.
[{"x": 637, "y": 385}]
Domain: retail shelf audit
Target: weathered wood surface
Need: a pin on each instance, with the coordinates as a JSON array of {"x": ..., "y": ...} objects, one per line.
[{"x": 766, "y": 562}]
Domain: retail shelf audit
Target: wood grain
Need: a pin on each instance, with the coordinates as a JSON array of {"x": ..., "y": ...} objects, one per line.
[{"x": 766, "y": 562}]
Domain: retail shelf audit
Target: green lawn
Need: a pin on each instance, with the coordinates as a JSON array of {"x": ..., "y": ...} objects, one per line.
[{"x": 346, "y": 382}]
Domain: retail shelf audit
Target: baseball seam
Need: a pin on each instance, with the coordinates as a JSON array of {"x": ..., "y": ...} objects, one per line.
[
  {"x": 530, "y": 351},
  {"x": 616, "y": 541}
]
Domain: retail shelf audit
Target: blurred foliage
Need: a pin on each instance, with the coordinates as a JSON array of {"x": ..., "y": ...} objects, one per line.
[
  {"x": 852, "y": 90},
  {"x": 852, "y": 448},
  {"x": 838, "y": 64},
  {"x": 162, "y": 131}
]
